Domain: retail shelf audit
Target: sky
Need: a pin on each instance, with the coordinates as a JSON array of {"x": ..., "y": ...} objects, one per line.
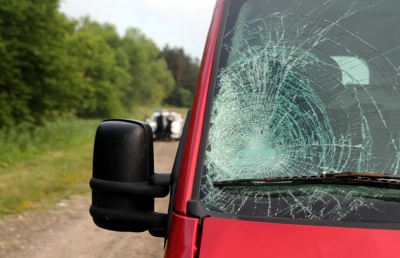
[{"x": 178, "y": 23}]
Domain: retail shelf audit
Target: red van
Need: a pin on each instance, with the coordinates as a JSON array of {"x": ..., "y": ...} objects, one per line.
[{"x": 291, "y": 148}]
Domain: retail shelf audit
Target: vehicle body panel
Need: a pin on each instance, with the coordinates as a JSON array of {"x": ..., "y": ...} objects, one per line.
[
  {"x": 192, "y": 144},
  {"x": 183, "y": 237},
  {"x": 197, "y": 230},
  {"x": 247, "y": 237},
  {"x": 238, "y": 238}
]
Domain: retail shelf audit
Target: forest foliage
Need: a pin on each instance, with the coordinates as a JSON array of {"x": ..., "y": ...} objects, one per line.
[{"x": 53, "y": 66}]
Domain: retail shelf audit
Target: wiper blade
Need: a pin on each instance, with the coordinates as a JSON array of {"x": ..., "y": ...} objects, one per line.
[{"x": 344, "y": 178}]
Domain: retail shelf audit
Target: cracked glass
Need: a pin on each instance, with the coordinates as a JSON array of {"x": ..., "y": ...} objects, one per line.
[{"x": 305, "y": 88}]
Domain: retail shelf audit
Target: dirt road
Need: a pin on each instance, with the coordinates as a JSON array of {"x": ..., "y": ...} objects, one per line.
[{"x": 68, "y": 231}]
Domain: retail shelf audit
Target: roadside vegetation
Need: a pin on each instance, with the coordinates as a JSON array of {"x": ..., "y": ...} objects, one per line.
[
  {"x": 40, "y": 166},
  {"x": 52, "y": 65},
  {"x": 60, "y": 77},
  {"x": 45, "y": 164}
]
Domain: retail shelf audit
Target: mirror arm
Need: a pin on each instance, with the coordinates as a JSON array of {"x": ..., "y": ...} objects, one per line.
[
  {"x": 160, "y": 179},
  {"x": 129, "y": 188}
]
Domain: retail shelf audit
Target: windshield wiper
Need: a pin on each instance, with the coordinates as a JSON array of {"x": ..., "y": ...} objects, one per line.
[{"x": 344, "y": 178}]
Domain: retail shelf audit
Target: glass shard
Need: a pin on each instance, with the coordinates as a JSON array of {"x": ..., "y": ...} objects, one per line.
[{"x": 306, "y": 87}]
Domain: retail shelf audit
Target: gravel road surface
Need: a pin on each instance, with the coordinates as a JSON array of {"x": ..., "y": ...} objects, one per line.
[{"x": 67, "y": 230}]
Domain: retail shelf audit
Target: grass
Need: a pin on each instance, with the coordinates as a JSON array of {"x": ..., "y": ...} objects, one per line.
[
  {"x": 41, "y": 166},
  {"x": 21, "y": 145}
]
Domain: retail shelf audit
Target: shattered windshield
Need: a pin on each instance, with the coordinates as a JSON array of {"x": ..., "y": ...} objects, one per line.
[{"x": 305, "y": 88}]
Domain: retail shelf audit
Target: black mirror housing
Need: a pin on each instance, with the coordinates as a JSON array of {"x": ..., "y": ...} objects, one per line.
[{"x": 123, "y": 172}]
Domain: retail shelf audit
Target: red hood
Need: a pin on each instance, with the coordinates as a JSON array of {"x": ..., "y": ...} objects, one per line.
[{"x": 238, "y": 238}]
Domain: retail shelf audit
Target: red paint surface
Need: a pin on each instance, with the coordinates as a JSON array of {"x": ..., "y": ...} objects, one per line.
[
  {"x": 192, "y": 144},
  {"x": 235, "y": 238},
  {"x": 182, "y": 237}
]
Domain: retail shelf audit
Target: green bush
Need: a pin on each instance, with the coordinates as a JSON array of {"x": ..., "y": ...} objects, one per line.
[{"x": 18, "y": 145}]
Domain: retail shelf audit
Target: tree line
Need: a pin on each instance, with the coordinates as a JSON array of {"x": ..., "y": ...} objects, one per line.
[{"x": 52, "y": 66}]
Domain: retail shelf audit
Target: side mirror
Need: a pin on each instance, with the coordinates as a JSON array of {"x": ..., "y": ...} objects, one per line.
[{"x": 124, "y": 184}]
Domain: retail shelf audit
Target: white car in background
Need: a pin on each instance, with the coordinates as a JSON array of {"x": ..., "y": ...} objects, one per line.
[{"x": 176, "y": 124}]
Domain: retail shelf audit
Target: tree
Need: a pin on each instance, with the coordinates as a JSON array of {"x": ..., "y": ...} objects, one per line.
[
  {"x": 185, "y": 71},
  {"x": 101, "y": 67},
  {"x": 179, "y": 97},
  {"x": 51, "y": 66},
  {"x": 34, "y": 82},
  {"x": 151, "y": 79}
]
